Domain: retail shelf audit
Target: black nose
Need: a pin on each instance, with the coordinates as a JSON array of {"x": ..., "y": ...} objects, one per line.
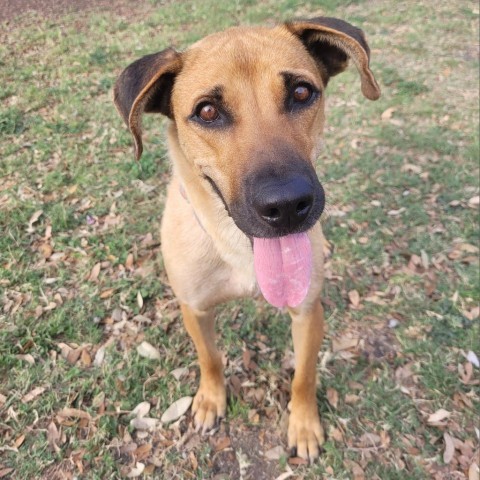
[{"x": 284, "y": 205}]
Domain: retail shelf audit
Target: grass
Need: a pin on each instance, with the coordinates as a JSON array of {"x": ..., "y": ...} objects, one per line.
[{"x": 402, "y": 221}]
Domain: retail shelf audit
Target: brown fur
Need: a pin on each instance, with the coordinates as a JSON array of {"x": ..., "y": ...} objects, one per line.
[{"x": 208, "y": 258}]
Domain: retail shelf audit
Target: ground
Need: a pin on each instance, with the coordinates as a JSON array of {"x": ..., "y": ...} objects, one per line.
[{"x": 92, "y": 346}]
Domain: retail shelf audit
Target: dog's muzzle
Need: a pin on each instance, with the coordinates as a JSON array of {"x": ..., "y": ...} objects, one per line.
[{"x": 279, "y": 201}]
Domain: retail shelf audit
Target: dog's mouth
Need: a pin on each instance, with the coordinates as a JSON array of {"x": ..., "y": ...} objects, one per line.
[{"x": 276, "y": 215}]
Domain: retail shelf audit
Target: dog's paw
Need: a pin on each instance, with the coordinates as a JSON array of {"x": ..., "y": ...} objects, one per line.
[
  {"x": 209, "y": 405},
  {"x": 305, "y": 433}
]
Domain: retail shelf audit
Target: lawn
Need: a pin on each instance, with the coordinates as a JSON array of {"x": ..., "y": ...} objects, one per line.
[{"x": 91, "y": 332}]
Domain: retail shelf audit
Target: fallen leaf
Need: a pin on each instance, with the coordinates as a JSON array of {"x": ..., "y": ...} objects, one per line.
[
  {"x": 178, "y": 373},
  {"x": 141, "y": 410},
  {"x": 344, "y": 343},
  {"x": 144, "y": 423},
  {"x": 332, "y": 397},
  {"x": 33, "y": 219},
  {"x": 99, "y": 356},
  {"x": 409, "y": 167},
  {"x": 36, "y": 392},
  {"x": 222, "y": 443},
  {"x": 354, "y": 298},
  {"x": 137, "y": 470},
  {"x": 449, "y": 448},
  {"x": 387, "y": 114},
  {"x": 53, "y": 436},
  {"x": 107, "y": 293},
  {"x": 139, "y": 300},
  {"x": 93, "y": 277},
  {"x": 351, "y": 399},
  {"x": 18, "y": 442},
  {"x": 5, "y": 471},
  {"x": 297, "y": 461},
  {"x": 286, "y": 475},
  {"x": 474, "y": 201},
  {"x": 473, "y": 472},
  {"x": 147, "y": 350},
  {"x": 355, "y": 468},
  {"x": 275, "y": 453},
  {"x": 472, "y": 358},
  {"x": 176, "y": 409},
  {"x": 75, "y": 413},
  {"x": 129, "y": 262},
  {"x": 438, "y": 416}
]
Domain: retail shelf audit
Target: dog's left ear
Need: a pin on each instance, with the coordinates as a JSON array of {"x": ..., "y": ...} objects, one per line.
[
  {"x": 146, "y": 86},
  {"x": 331, "y": 42}
]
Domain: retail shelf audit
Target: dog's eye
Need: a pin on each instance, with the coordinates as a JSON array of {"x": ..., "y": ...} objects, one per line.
[
  {"x": 302, "y": 93},
  {"x": 207, "y": 112}
]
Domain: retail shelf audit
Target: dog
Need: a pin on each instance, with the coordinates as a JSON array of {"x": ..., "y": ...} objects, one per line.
[{"x": 246, "y": 110}]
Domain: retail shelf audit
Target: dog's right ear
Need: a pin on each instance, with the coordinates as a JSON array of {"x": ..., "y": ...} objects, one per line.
[{"x": 146, "y": 86}]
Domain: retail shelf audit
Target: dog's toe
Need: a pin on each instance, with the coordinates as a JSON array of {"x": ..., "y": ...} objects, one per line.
[
  {"x": 305, "y": 433},
  {"x": 208, "y": 407}
]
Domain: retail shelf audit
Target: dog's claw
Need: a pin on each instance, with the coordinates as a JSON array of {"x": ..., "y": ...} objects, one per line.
[
  {"x": 305, "y": 433},
  {"x": 209, "y": 407}
]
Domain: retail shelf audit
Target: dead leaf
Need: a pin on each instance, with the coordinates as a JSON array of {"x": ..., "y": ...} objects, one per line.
[
  {"x": 193, "y": 460},
  {"x": 438, "y": 416},
  {"x": 474, "y": 472},
  {"x": 85, "y": 358},
  {"x": 355, "y": 468},
  {"x": 472, "y": 358},
  {"x": 286, "y": 475},
  {"x": 176, "y": 409},
  {"x": 18, "y": 442},
  {"x": 297, "y": 461},
  {"x": 74, "y": 412},
  {"x": 147, "y": 350},
  {"x": 36, "y": 392},
  {"x": 45, "y": 250},
  {"x": 137, "y": 470},
  {"x": 93, "y": 277},
  {"x": 178, "y": 373},
  {"x": 139, "y": 300},
  {"x": 33, "y": 219},
  {"x": 351, "y": 399},
  {"x": 144, "y": 423},
  {"x": 449, "y": 448},
  {"x": 474, "y": 201},
  {"x": 332, "y": 397},
  {"x": 387, "y": 114},
  {"x": 141, "y": 410},
  {"x": 354, "y": 298},
  {"x": 409, "y": 167},
  {"x": 107, "y": 293},
  {"x": 5, "y": 471},
  {"x": 221, "y": 444},
  {"x": 129, "y": 262},
  {"x": 275, "y": 453},
  {"x": 143, "y": 451},
  {"x": 344, "y": 343},
  {"x": 53, "y": 436}
]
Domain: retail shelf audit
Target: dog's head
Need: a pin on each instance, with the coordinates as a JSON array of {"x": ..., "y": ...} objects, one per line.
[{"x": 248, "y": 109}]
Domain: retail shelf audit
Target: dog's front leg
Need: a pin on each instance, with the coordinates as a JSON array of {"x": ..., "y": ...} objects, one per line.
[
  {"x": 305, "y": 432},
  {"x": 210, "y": 402}
]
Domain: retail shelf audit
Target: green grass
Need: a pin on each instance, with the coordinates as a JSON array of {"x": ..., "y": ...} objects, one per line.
[{"x": 66, "y": 152}]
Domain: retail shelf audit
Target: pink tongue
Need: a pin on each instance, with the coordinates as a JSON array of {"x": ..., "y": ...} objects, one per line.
[{"x": 283, "y": 266}]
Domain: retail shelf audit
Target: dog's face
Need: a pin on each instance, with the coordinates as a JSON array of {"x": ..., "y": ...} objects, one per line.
[{"x": 248, "y": 107}]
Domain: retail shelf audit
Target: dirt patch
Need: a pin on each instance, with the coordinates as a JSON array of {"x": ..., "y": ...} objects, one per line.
[{"x": 11, "y": 10}]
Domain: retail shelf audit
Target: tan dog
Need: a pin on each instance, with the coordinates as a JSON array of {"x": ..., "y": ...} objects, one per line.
[{"x": 247, "y": 113}]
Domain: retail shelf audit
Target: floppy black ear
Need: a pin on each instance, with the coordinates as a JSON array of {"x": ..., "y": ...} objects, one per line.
[
  {"x": 146, "y": 86},
  {"x": 332, "y": 42}
]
